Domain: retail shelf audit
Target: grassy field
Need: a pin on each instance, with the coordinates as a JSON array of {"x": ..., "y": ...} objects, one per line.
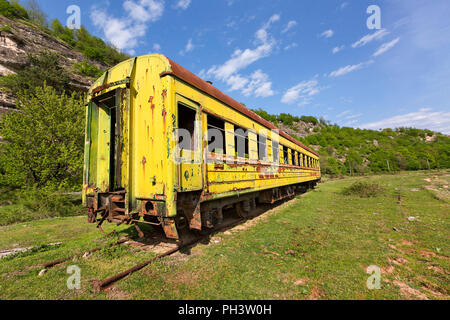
[
  {"x": 317, "y": 246},
  {"x": 26, "y": 205}
]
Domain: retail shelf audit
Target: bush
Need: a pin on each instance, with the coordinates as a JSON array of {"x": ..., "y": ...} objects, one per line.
[
  {"x": 32, "y": 204},
  {"x": 91, "y": 46},
  {"x": 12, "y": 10},
  {"x": 363, "y": 190},
  {"x": 88, "y": 70},
  {"x": 45, "y": 141},
  {"x": 40, "y": 69}
]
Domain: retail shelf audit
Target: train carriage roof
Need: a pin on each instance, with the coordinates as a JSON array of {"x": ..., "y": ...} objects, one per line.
[{"x": 190, "y": 78}]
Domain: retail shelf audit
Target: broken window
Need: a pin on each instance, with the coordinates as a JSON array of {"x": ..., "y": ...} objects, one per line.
[
  {"x": 216, "y": 135},
  {"x": 276, "y": 152},
  {"x": 241, "y": 142},
  {"x": 285, "y": 155},
  {"x": 262, "y": 147},
  {"x": 186, "y": 127}
]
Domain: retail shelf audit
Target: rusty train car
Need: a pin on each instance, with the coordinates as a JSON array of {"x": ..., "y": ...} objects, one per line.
[{"x": 136, "y": 172}]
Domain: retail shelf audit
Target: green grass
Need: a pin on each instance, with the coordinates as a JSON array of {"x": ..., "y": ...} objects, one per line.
[
  {"x": 319, "y": 246},
  {"x": 363, "y": 190},
  {"x": 27, "y": 205}
]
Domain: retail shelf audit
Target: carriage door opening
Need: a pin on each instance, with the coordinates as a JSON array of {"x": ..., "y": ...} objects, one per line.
[
  {"x": 108, "y": 131},
  {"x": 190, "y": 147}
]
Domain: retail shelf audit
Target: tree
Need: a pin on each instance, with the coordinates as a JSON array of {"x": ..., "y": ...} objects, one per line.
[
  {"x": 35, "y": 13},
  {"x": 44, "y": 140},
  {"x": 12, "y": 10},
  {"x": 40, "y": 69}
]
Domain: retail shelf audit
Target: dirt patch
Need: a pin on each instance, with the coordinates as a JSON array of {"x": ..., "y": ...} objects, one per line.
[
  {"x": 117, "y": 294},
  {"x": 262, "y": 217},
  {"x": 427, "y": 254},
  {"x": 300, "y": 282},
  {"x": 388, "y": 270},
  {"x": 435, "y": 291},
  {"x": 406, "y": 243},
  {"x": 316, "y": 293},
  {"x": 436, "y": 269},
  {"x": 398, "y": 261},
  {"x": 409, "y": 292},
  {"x": 439, "y": 186}
]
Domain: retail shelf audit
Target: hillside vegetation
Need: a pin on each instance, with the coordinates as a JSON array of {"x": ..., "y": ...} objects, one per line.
[{"x": 346, "y": 150}]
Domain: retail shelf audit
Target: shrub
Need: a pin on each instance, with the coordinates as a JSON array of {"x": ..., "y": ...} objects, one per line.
[
  {"x": 363, "y": 190},
  {"x": 45, "y": 141},
  {"x": 88, "y": 70},
  {"x": 32, "y": 204},
  {"x": 12, "y": 10},
  {"x": 40, "y": 69}
]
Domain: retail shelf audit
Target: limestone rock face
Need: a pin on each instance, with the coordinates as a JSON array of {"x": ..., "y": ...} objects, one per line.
[{"x": 20, "y": 38}]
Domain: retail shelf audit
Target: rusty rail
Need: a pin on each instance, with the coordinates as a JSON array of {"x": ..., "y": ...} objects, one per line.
[
  {"x": 59, "y": 261},
  {"x": 103, "y": 285}
]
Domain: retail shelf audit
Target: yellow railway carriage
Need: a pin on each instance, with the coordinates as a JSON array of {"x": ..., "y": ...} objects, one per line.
[{"x": 166, "y": 148}]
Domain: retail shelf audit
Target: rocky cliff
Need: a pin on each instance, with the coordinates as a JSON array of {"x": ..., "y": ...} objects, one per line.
[{"x": 19, "y": 38}]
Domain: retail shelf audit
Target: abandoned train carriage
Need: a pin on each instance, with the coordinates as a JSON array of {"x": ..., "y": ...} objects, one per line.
[{"x": 130, "y": 174}]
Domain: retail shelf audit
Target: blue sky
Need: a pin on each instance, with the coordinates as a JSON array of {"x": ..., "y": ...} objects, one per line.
[{"x": 302, "y": 57}]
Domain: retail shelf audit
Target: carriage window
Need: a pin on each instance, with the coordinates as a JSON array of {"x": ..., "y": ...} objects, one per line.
[
  {"x": 186, "y": 126},
  {"x": 262, "y": 147},
  {"x": 216, "y": 135},
  {"x": 241, "y": 142},
  {"x": 276, "y": 152},
  {"x": 285, "y": 155},
  {"x": 299, "y": 159},
  {"x": 292, "y": 156}
]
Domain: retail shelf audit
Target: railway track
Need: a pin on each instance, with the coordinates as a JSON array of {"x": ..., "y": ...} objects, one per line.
[
  {"x": 104, "y": 285},
  {"x": 99, "y": 285},
  {"x": 51, "y": 264}
]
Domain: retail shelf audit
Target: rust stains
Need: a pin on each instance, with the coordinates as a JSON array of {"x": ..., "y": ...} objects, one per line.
[
  {"x": 144, "y": 162},
  {"x": 164, "y": 114}
]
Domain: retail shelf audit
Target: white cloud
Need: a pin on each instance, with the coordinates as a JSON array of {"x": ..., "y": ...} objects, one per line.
[
  {"x": 188, "y": 48},
  {"x": 351, "y": 122},
  {"x": 302, "y": 92},
  {"x": 344, "y": 4},
  {"x": 327, "y": 34},
  {"x": 290, "y": 46},
  {"x": 425, "y": 118},
  {"x": 289, "y": 26},
  {"x": 340, "y": 115},
  {"x": 385, "y": 47},
  {"x": 370, "y": 37},
  {"x": 337, "y": 49},
  {"x": 183, "y": 4},
  {"x": 350, "y": 68},
  {"x": 156, "y": 47},
  {"x": 124, "y": 32},
  {"x": 258, "y": 83},
  {"x": 353, "y": 116},
  {"x": 144, "y": 10}
]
